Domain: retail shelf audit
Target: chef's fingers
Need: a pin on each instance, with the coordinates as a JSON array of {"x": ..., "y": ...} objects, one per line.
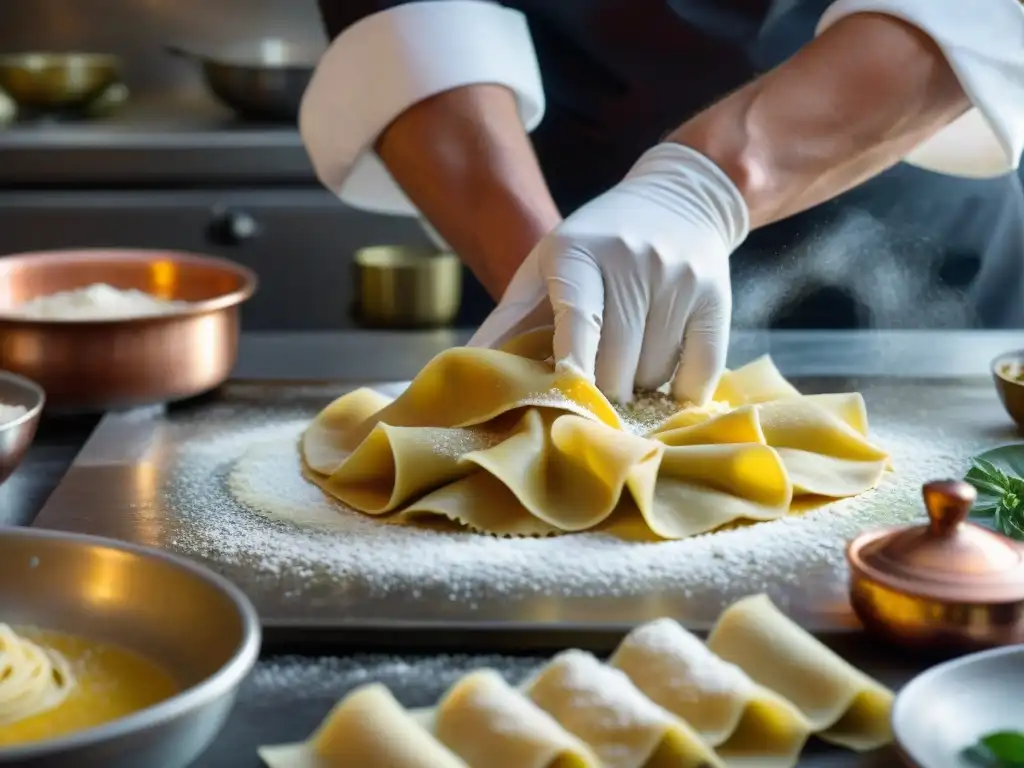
[
  {"x": 663, "y": 338},
  {"x": 622, "y": 337},
  {"x": 705, "y": 346},
  {"x": 576, "y": 288}
]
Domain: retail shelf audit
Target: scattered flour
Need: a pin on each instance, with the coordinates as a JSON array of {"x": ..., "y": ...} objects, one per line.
[
  {"x": 11, "y": 412},
  {"x": 97, "y": 302},
  {"x": 232, "y": 494}
]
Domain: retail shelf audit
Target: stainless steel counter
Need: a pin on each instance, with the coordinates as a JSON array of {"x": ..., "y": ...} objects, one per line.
[{"x": 286, "y": 697}]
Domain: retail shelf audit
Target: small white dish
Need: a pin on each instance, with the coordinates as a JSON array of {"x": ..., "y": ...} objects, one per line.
[{"x": 944, "y": 711}]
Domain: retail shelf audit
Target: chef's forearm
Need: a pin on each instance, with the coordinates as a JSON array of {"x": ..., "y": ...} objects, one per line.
[
  {"x": 846, "y": 107},
  {"x": 464, "y": 159}
]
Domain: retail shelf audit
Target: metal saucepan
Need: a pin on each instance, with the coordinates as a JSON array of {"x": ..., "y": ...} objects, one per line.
[
  {"x": 48, "y": 82},
  {"x": 263, "y": 80},
  {"x": 193, "y": 623}
]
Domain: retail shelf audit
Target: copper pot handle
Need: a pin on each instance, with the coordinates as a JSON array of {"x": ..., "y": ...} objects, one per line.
[{"x": 948, "y": 503}]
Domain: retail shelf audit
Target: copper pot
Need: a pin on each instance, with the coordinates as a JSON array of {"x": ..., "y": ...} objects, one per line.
[
  {"x": 949, "y": 584},
  {"x": 106, "y": 364}
]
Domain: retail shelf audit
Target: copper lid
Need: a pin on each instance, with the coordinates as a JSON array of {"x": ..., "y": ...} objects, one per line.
[{"x": 949, "y": 559}]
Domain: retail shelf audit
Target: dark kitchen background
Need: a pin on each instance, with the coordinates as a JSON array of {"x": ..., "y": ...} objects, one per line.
[{"x": 172, "y": 167}]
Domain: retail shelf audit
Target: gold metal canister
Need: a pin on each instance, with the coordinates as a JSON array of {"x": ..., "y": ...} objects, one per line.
[{"x": 404, "y": 287}]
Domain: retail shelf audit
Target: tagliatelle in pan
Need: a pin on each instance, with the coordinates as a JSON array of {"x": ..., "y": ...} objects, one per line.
[{"x": 501, "y": 442}]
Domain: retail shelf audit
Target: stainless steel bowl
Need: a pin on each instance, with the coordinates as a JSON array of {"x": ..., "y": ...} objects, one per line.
[
  {"x": 17, "y": 435},
  {"x": 194, "y": 623},
  {"x": 95, "y": 365}
]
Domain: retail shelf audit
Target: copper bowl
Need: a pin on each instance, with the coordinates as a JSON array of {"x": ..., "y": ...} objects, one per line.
[
  {"x": 93, "y": 365},
  {"x": 1008, "y": 374},
  {"x": 17, "y": 434}
]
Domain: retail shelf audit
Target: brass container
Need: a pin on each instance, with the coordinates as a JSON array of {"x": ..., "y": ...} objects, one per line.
[
  {"x": 95, "y": 365},
  {"x": 1008, "y": 374},
  {"x": 16, "y": 435},
  {"x": 58, "y": 81},
  {"x": 194, "y": 623},
  {"x": 949, "y": 584},
  {"x": 403, "y": 287}
]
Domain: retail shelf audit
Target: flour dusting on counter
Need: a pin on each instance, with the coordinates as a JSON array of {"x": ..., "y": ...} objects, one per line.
[
  {"x": 98, "y": 301},
  {"x": 235, "y": 494}
]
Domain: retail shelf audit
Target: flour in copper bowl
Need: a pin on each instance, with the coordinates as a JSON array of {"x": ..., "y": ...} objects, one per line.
[{"x": 240, "y": 500}]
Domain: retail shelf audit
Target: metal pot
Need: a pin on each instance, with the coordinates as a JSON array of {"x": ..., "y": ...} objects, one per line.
[
  {"x": 263, "y": 80},
  {"x": 46, "y": 82}
]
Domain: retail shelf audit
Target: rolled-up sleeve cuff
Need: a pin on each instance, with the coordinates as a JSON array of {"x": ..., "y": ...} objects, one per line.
[
  {"x": 982, "y": 43},
  {"x": 385, "y": 63}
]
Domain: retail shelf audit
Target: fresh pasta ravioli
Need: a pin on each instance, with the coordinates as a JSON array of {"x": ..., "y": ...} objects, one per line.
[
  {"x": 502, "y": 442},
  {"x": 748, "y": 698}
]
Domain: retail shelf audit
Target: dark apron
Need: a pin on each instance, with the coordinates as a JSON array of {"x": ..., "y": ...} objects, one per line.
[{"x": 908, "y": 249}]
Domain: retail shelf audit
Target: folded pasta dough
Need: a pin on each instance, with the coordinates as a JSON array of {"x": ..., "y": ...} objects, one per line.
[
  {"x": 624, "y": 728},
  {"x": 746, "y": 723},
  {"x": 366, "y": 729},
  {"x": 507, "y": 444},
  {"x": 490, "y": 724},
  {"x": 841, "y": 703}
]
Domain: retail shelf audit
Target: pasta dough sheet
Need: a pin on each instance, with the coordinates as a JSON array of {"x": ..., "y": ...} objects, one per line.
[
  {"x": 749, "y": 698},
  {"x": 500, "y": 441}
]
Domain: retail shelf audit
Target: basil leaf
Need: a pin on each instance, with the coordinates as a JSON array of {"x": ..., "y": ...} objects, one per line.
[{"x": 1005, "y": 746}]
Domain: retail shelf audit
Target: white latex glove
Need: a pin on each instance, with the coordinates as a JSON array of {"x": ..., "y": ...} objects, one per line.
[{"x": 637, "y": 281}]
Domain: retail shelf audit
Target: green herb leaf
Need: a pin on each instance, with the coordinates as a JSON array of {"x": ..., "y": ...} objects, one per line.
[
  {"x": 1000, "y": 495},
  {"x": 1001, "y": 749}
]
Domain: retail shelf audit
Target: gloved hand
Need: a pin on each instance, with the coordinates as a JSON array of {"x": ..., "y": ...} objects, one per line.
[{"x": 636, "y": 282}]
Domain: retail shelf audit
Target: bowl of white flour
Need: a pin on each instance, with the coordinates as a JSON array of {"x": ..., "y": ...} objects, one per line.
[
  {"x": 21, "y": 405},
  {"x": 106, "y": 329}
]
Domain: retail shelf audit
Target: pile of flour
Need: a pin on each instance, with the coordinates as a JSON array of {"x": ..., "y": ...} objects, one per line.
[{"x": 97, "y": 302}]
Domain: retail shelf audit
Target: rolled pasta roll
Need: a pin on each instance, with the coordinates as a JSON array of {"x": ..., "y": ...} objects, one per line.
[
  {"x": 366, "y": 729},
  {"x": 624, "y": 728},
  {"x": 746, "y": 723},
  {"x": 490, "y": 724},
  {"x": 841, "y": 703}
]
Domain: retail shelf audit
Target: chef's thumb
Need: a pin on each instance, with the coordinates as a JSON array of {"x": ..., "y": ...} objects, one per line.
[
  {"x": 703, "y": 355},
  {"x": 576, "y": 288}
]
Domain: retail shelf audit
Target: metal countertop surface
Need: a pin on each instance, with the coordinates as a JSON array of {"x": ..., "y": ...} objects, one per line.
[{"x": 286, "y": 697}]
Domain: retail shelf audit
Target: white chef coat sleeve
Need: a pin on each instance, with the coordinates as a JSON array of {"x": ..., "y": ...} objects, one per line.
[
  {"x": 381, "y": 65},
  {"x": 983, "y": 43}
]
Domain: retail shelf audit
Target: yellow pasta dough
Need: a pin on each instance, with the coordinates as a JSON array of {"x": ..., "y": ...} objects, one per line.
[
  {"x": 489, "y": 723},
  {"x": 746, "y": 723},
  {"x": 748, "y": 698},
  {"x": 367, "y": 729},
  {"x": 625, "y": 729},
  {"x": 501, "y": 441},
  {"x": 841, "y": 703}
]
